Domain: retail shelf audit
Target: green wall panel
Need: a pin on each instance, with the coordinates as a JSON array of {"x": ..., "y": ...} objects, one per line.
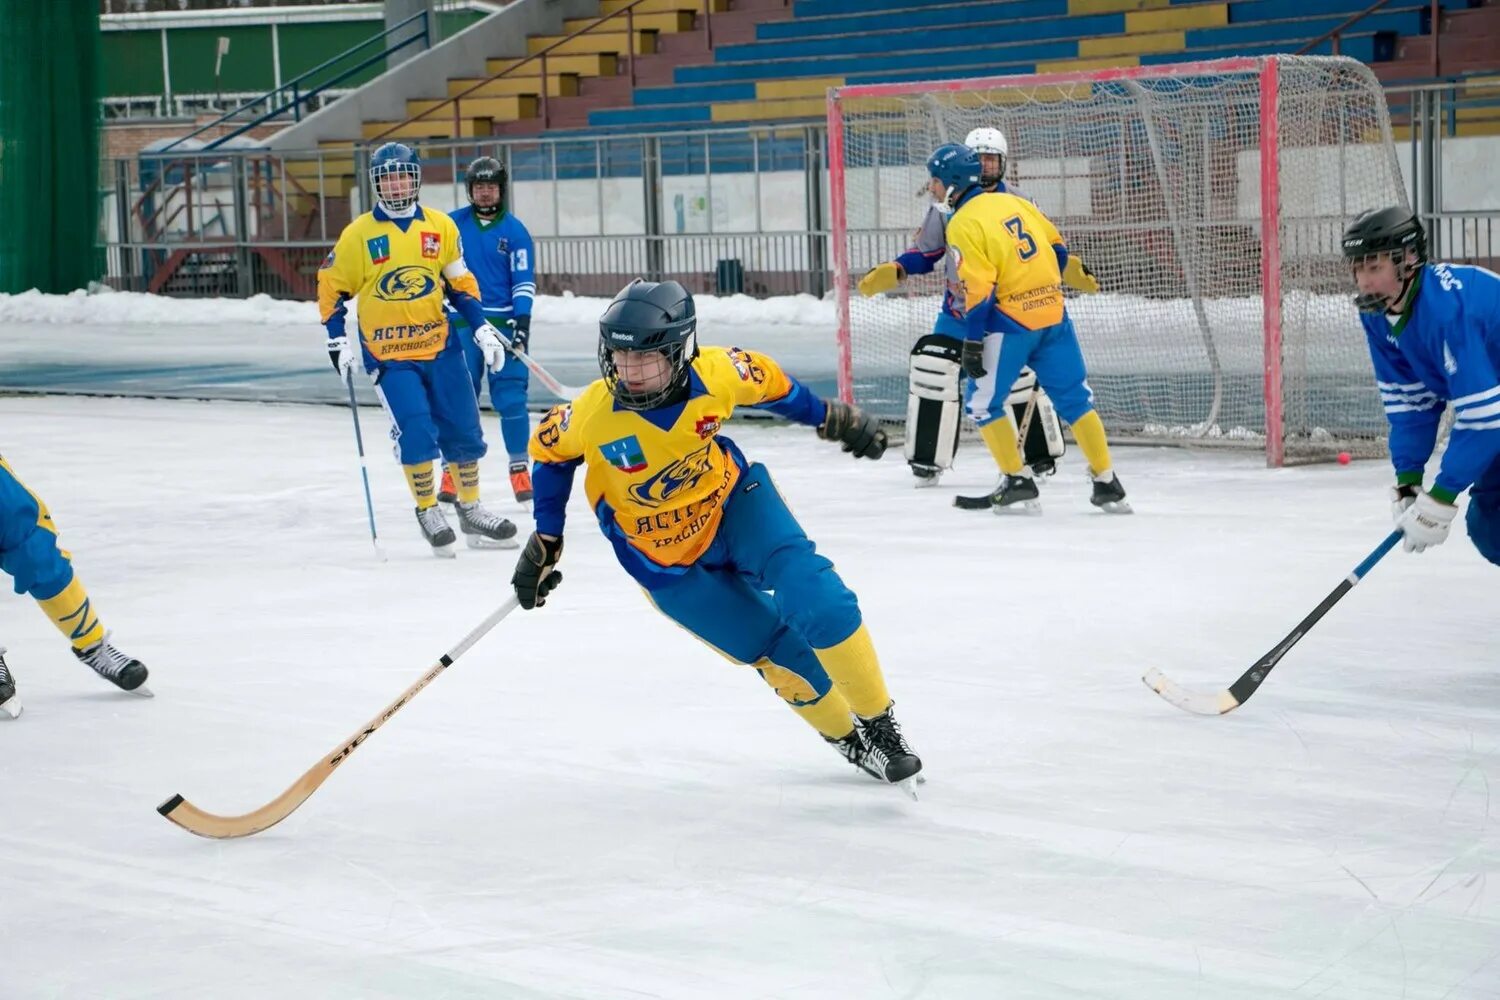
[
  {"x": 132, "y": 63},
  {"x": 247, "y": 66}
]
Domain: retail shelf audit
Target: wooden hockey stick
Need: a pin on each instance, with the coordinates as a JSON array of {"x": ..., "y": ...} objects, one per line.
[
  {"x": 1203, "y": 703},
  {"x": 206, "y": 824},
  {"x": 568, "y": 392}
]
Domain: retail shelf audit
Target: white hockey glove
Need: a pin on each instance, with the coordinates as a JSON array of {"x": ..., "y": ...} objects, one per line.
[
  {"x": 1426, "y": 522},
  {"x": 493, "y": 345},
  {"x": 1402, "y": 497},
  {"x": 343, "y": 356}
]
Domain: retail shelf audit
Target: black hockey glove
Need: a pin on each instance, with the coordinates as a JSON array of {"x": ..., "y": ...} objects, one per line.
[
  {"x": 856, "y": 431},
  {"x": 973, "y": 359},
  {"x": 536, "y": 573},
  {"x": 519, "y": 332}
]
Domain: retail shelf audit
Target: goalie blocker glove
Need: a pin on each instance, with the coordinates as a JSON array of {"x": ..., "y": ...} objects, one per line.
[
  {"x": 536, "y": 573},
  {"x": 857, "y": 431}
]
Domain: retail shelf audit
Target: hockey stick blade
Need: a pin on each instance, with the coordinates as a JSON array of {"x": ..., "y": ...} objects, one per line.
[
  {"x": 206, "y": 824},
  {"x": 1223, "y": 702}
]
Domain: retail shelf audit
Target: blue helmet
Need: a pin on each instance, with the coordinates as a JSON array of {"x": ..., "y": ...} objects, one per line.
[
  {"x": 395, "y": 159},
  {"x": 649, "y": 316},
  {"x": 957, "y": 167}
]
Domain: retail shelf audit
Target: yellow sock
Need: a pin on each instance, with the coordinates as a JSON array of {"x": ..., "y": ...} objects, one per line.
[
  {"x": 855, "y": 670},
  {"x": 1088, "y": 431},
  {"x": 466, "y": 478},
  {"x": 829, "y": 715},
  {"x": 1000, "y": 437},
  {"x": 420, "y": 480},
  {"x": 74, "y": 615}
]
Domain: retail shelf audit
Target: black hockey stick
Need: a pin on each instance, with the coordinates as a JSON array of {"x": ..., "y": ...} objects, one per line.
[
  {"x": 364, "y": 472},
  {"x": 1201, "y": 703}
]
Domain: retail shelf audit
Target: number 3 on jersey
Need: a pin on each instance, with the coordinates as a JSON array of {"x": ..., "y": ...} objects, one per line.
[{"x": 1025, "y": 245}]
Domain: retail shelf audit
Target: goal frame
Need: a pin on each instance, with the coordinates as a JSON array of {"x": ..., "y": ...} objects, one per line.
[{"x": 1268, "y": 70}]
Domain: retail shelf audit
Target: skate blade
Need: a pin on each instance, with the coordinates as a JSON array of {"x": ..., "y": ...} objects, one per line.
[
  {"x": 926, "y": 482},
  {"x": 140, "y": 692},
  {"x": 449, "y": 551},
  {"x": 1116, "y": 507},
  {"x": 909, "y": 786},
  {"x": 485, "y": 542},
  {"x": 11, "y": 709},
  {"x": 1026, "y": 508}
]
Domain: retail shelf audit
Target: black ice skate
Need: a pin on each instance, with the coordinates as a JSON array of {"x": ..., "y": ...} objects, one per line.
[
  {"x": 120, "y": 669},
  {"x": 887, "y": 750},
  {"x": 1109, "y": 495},
  {"x": 483, "y": 530},
  {"x": 10, "y": 705},
  {"x": 856, "y": 751},
  {"x": 436, "y": 530},
  {"x": 927, "y": 475},
  {"x": 1013, "y": 494}
]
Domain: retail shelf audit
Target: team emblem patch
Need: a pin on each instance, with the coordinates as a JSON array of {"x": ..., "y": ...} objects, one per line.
[
  {"x": 327, "y": 262},
  {"x": 626, "y": 454},
  {"x": 432, "y": 245},
  {"x": 380, "y": 249},
  {"x": 707, "y": 427},
  {"x": 503, "y": 246}
]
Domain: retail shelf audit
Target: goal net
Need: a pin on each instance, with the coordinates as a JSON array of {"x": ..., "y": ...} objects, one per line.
[{"x": 1208, "y": 198}]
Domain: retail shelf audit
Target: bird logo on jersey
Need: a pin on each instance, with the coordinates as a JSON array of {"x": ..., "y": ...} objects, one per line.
[
  {"x": 625, "y": 454},
  {"x": 405, "y": 284},
  {"x": 682, "y": 474}
]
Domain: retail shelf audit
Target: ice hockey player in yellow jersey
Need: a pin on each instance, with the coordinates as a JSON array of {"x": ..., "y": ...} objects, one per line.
[
  {"x": 1010, "y": 260},
  {"x": 30, "y": 556},
  {"x": 398, "y": 262},
  {"x": 702, "y": 528}
]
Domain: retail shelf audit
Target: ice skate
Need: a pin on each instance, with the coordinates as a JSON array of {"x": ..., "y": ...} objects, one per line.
[
  {"x": 926, "y": 476},
  {"x": 120, "y": 669},
  {"x": 10, "y": 703},
  {"x": 1109, "y": 495},
  {"x": 437, "y": 532},
  {"x": 888, "y": 752},
  {"x": 484, "y": 530}
]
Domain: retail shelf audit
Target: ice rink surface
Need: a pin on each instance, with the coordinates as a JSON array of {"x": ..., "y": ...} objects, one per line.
[{"x": 590, "y": 804}]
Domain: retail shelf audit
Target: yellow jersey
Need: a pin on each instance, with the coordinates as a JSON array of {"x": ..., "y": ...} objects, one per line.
[
  {"x": 658, "y": 479},
  {"x": 398, "y": 271},
  {"x": 1001, "y": 245}
]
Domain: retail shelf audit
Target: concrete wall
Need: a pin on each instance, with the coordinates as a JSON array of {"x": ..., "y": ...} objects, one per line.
[{"x": 500, "y": 36}]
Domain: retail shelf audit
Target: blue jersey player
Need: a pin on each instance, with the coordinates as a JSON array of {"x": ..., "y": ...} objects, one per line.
[
  {"x": 1434, "y": 336},
  {"x": 499, "y": 252}
]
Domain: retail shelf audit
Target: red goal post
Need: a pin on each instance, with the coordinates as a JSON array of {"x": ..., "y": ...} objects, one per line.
[{"x": 1208, "y": 197}]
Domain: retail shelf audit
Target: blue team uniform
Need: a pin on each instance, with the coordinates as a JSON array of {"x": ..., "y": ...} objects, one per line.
[
  {"x": 28, "y": 541},
  {"x": 1446, "y": 348},
  {"x": 502, "y": 257}
]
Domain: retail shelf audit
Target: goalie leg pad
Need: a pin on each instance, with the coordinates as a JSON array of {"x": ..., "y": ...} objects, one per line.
[
  {"x": 934, "y": 412},
  {"x": 1042, "y": 441}
]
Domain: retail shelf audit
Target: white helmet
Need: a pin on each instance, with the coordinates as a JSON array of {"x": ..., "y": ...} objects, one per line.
[{"x": 987, "y": 140}]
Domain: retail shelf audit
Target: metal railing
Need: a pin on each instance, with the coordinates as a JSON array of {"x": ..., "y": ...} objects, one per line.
[
  {"x": 1336, "y": 33},
  {"x": 721, "y": 210},
  {"x": 295, "y": 86},
  {"x": 632, "y": 41}
]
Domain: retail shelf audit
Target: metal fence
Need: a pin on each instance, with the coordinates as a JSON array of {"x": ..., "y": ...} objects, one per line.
[{"x": 721, "y": 210}]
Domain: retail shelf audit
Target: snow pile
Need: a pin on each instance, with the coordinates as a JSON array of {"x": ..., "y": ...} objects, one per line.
[{"x": 106, "y": 307}]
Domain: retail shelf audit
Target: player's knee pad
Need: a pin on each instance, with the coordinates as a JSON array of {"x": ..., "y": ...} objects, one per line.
[
  {"x": 1483, "y": 522},
  {"x": 1037, "y": 424},
  {"x": 802, "y": 686},
  {"x": 933, "y": 410}
]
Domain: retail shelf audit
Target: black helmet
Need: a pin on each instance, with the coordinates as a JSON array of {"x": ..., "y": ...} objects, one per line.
[
  {"x": 484, "y": 170},
  {"x": 649, "y": 316},
  {"x": 1390, "y": 231}
]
